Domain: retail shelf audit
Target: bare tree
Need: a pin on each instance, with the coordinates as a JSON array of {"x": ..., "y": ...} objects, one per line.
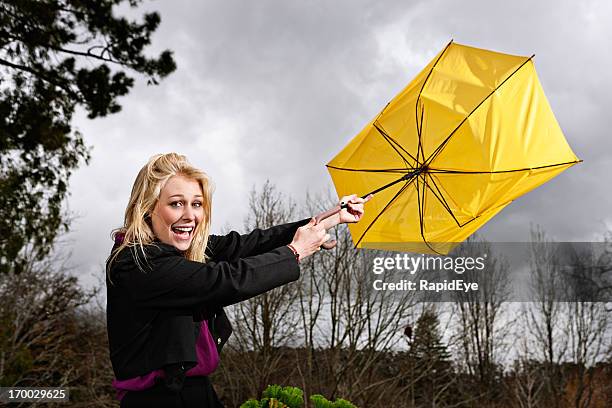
[
  {"x": 545, "y": 317},
  {"x": 39, "y": 324},
  {"x": 567, "y": 323},
  {"x": 266, "y": 323},
  {"x": 525, "y": 386},
  {"x": 588, "y": 323},
  {"x": 482, "y": 328},
  {"x": 351, "y": 331}
]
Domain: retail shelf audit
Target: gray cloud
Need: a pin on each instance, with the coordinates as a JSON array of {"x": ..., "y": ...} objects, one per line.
[{"x": 273, "y": 89}]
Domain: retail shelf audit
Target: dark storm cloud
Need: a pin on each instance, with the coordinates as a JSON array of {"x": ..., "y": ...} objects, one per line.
[{"x": 273, "y": 89}]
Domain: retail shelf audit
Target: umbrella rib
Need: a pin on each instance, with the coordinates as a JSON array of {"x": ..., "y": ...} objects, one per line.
[
  {"x": 442, "y": 200},
  {"x": 392, "y": 142},
  {"x": 444, "y": 143},
  {"x": 420, "y": 150},
  {"x": 416, "y": 107},
  {"x": 442, "y": 171},
  {"x": 460, "y": 225},
  {"x": 444, "y": 203},
  {"x": 408, "y": 182},
  {"x": 421, "y": 206},
  {"x": 467, "y": 222},
  {"x": 478, "y": 216},
  {"x": 398, "y": 170}
]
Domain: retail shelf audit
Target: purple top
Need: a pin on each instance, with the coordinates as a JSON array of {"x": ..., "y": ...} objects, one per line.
[{"x": 208, "y": 360}]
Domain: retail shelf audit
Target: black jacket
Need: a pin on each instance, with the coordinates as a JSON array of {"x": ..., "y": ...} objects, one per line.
[{"x": 153, "y": 316}]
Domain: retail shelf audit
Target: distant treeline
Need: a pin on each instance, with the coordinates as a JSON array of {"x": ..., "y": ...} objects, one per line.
[{"x": 329, "y": 334}]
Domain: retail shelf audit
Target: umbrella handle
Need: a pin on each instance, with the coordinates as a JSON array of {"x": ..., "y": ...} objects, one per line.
[
  {"x": 335, "y": 210},
  {"x": 326, "y": 214},
  {"x": 329, "y": 213},
  {"x": 338, "y": 208}
]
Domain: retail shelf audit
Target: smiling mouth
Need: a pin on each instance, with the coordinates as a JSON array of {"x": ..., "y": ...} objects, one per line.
[{"x": 183, "y": 233}]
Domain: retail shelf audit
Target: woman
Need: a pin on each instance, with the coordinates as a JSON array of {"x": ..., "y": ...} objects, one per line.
[{"x": 168, "y": 281}]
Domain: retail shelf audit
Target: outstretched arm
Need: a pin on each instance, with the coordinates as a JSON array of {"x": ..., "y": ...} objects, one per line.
[{"x": 234, "y": 246}]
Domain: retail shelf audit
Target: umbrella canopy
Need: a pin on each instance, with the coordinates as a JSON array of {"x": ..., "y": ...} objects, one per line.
[{"x": 472, "y": 132}]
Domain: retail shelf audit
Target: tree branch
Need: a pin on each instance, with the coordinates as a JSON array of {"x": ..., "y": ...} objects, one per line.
[
  {"x": 87, "y": 54},
  {"x": 40, "y": 75}
]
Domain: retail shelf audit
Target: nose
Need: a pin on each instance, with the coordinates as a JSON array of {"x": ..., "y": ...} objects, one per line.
[{"x": 188, "y": 213}]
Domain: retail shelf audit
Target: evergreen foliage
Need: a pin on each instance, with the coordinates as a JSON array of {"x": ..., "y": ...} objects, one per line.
[
  {"x": 55, "y": 56},
  {"x": 276, "y": 396},
  {"x": 432, "y": 370}
]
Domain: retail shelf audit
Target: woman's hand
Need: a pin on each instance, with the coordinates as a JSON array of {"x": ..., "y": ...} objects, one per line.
[
  {"x": 354, "y": 212},
  {"x": 309, "y": 238}
]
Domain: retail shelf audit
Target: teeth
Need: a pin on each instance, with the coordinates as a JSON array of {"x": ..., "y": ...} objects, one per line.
[{"x": 184, "y": 229}]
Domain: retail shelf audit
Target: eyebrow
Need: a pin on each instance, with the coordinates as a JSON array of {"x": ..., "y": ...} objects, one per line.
[{"x": 181, "y": 195}]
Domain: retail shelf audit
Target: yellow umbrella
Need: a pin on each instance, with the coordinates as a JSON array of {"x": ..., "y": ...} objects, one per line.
[{"x": 472, "y": 132}]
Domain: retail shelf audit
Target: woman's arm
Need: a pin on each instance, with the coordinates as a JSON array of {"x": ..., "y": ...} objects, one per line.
[
  {"x": 173, "y": 282},
  {"x": 234, "y": 246}
]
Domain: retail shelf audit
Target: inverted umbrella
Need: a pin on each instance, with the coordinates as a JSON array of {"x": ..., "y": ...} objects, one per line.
[{"x": 472, "y": 132}]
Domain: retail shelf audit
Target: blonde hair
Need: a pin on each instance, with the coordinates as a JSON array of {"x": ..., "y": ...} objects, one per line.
[{"x": 137, "y": 229}]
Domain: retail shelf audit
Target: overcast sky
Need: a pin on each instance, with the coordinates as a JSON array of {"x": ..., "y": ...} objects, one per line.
[{"x": 274, "y": 89}]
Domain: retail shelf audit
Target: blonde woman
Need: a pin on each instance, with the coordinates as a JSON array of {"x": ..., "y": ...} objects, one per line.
[{"x": 168, "y": 281}]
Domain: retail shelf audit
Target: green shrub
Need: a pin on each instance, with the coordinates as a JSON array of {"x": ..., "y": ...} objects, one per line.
[
  {"x": 251, "y": 403},
  {"x": 276, "y": 396},
  {"x": 320, "y": 401},
  {"x": 292, "y": 397}
]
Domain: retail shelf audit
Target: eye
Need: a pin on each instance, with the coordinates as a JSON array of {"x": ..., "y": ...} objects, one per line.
[
  {"x": 176, "y": 204},
  {"x": 197, "y": 204}
]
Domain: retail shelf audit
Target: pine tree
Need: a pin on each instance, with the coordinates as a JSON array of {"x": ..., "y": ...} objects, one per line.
[
  {"x": 55, "y": 56},
  {"x": 431, "y": 370}
]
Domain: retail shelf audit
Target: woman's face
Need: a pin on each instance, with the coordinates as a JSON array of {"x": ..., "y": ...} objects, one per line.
[{"x": 178, "y": 211}]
